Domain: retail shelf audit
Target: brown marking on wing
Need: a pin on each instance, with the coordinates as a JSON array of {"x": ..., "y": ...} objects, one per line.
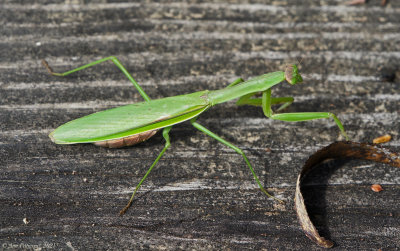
[{"x": 126, "y": 141}]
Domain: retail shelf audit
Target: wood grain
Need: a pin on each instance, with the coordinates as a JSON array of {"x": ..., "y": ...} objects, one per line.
[{"x": 201, "y": 195}]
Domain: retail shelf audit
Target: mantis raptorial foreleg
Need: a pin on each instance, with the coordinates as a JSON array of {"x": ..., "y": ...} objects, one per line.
[
  {"x": 238, "y": 150},
  {"x": 248, "y": 100},
  {"x": 295, "y": 117},
  {"x": 114, "y": 60},
  {"x": 237, "y": 81},
  {"x": 167, "y": 144}
]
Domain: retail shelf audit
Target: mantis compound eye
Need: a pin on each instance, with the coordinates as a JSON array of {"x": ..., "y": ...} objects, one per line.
[{"x": 292, "y": 75}]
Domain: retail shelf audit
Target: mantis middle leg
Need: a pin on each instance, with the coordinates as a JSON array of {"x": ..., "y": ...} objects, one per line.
[
  {"x": 295, "y": 117},
  {"x": 167, "y": 145},
  {"x": 114, "y": 60},
  {"x": 237, "y": 149}
]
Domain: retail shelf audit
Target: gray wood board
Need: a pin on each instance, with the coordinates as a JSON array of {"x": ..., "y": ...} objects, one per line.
[{"x": 201, "y": 195}]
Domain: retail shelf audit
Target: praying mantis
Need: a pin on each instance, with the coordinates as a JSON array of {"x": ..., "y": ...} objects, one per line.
[{"x": 134, "y": 123}]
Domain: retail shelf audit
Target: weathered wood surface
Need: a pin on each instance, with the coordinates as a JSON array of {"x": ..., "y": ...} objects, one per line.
[{"x": 201, "y": 195}]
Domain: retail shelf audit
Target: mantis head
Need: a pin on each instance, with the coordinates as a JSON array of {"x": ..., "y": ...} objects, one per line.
[{"x": 292, "y": 74}]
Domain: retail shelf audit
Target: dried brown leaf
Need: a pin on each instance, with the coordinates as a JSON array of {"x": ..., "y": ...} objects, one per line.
[{"x": 342, "y": 149}]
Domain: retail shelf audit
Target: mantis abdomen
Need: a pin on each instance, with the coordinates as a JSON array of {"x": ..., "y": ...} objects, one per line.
[{"x": 126, "y": 141}]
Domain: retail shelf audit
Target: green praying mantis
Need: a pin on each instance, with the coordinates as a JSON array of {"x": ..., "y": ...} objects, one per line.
[{"x": 134, "y": 123}]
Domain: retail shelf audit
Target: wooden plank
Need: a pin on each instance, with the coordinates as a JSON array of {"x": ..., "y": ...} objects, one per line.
[{"x": 201, "y": 195}]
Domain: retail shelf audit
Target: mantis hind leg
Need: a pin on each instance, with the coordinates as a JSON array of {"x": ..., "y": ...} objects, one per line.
[
  {"x": 114, "y": 60},
  {"x": 238, "y": 150},
  {"x": 167, "y": 145},
  {"x": 295, "y": 117}
]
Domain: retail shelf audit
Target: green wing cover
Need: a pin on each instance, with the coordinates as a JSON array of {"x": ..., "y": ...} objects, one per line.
[{"x": 131, "y": 119}]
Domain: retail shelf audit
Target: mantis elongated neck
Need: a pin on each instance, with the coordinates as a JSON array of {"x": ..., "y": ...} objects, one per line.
[{"x": 257, "y": 84}]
